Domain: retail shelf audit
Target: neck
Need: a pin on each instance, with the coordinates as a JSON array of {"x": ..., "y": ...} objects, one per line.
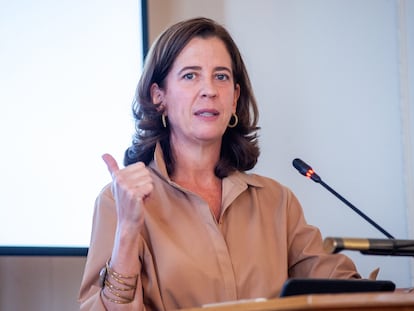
[
  {"x": 194, "y": 170},
  {"x": 195, "y": 163}
]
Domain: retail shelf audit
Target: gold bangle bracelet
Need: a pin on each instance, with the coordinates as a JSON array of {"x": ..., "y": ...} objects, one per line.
[
  {"x": 118, "y": 275},
  {"x": 125, "y": 301},
  {"x": 117, "y": 285},
  {"x": 120, "y": 281},
  {"x": 117, "y": 294},
  {"x": 121, "y": 289}
]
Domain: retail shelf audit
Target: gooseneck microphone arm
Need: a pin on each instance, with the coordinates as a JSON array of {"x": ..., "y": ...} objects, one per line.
[
  {"x": 392, "y": 247},
  {"x": 307, "y": 171}
]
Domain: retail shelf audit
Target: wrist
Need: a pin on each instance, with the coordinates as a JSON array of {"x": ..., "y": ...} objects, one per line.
[{"x": 116, "y": 287}]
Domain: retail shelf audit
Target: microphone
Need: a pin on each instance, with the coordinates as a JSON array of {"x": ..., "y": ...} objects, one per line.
[
  {"x": 370, "y": 246},
  {"x": 307, "y": 171}
]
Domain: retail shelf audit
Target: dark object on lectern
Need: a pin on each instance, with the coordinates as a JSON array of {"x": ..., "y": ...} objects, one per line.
[
  {"x": 392, "y": 247},
  {"x": 302, "y": 286}
]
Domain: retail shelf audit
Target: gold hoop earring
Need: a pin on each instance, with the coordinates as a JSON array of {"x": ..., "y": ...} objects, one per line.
[
  {"x": 164, "y": 121},
  {"x": 236, "y": 121}
]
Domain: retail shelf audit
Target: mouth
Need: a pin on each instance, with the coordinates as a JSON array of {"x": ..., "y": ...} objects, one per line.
[{"x": 207, "y": 113}]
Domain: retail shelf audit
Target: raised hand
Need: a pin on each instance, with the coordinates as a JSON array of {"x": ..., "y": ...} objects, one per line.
[{"x": 130, "y": 187}]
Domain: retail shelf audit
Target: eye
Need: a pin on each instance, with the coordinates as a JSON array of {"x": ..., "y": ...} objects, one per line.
[
  {"x": 189, "y": 76},
  {"x": 222, "y": 76}
]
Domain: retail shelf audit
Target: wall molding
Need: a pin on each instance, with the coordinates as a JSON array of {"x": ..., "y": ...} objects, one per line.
[{"x": 406, "y": 119}]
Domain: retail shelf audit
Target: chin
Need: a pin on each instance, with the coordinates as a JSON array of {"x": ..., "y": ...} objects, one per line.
[{"x": 210, "y": 138}]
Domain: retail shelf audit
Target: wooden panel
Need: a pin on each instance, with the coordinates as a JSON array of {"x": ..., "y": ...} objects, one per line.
[{"x": 398, "y": 300}]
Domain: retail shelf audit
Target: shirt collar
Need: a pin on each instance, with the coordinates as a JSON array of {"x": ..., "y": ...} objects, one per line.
[
  {"x": 237, "y": 178},
  {"x": 158, "y": 164}
]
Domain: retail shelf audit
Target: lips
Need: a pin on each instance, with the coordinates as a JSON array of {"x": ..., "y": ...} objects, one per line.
[{"x": 206, "y": 113}]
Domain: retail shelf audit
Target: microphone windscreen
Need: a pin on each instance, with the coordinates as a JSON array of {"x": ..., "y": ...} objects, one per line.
[{"x": 301, "y": 166}]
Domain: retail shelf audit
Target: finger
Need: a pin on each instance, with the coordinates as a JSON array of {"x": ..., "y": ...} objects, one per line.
[{"x": 110, "y": 163}]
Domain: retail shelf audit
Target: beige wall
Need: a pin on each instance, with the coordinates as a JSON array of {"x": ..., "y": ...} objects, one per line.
[
  {"x": 163, "y": 13},
  {"x": 334, "y": 87},
  {"x": 40, "y": 283},
  {"x": 327, "y": 77}
]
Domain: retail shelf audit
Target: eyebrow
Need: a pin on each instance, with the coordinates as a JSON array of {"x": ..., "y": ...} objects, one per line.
[{"x": 198, "y": 68}]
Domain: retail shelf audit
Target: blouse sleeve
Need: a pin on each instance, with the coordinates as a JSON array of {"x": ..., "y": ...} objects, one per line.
[
  {"x": 100, "y": 250},
  {"x": 307, "y": 257}
]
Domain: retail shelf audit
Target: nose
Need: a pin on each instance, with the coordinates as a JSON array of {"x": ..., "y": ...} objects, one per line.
[{"x": 208, "y": 88}]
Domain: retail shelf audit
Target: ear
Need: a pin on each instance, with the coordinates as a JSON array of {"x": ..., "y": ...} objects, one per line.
[
  {"x": 236, "y": 96},
  {"x": 157, "y": 95}
]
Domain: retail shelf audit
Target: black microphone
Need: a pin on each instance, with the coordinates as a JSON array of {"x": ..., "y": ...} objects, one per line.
[
  {"x": 307, "y": 171},
  {"x": 370, "y": 246}
]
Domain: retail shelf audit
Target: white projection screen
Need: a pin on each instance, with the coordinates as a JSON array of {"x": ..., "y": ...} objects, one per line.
[{"x": 68, "y": 72}]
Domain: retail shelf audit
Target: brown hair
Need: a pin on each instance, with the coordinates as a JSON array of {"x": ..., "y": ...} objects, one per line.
[{"x": 239, "y": 150}]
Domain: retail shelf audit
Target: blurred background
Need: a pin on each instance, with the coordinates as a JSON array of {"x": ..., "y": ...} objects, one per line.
[{"x": 334, "y": 84}]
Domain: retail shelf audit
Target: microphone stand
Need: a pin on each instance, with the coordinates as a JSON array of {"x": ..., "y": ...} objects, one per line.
[
  {"x": 391, "y": 247},
  {"x": 359, "y": 212},
  {"x": 382, "y": 247}
]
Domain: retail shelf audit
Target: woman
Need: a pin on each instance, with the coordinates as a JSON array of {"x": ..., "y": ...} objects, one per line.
[{"x": 182, "y": 224}]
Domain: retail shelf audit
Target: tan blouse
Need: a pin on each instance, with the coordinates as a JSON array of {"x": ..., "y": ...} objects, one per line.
[{"x": 189, "y": 259}]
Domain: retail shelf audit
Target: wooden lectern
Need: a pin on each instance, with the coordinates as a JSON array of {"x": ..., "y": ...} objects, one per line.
[{"x": 400, "y": 300}]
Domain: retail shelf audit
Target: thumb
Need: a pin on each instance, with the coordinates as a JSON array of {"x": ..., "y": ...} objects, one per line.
[{"x": 110, "y": 163}]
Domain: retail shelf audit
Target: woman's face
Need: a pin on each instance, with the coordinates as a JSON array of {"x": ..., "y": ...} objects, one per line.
[{"x": 200, "y": 95}]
